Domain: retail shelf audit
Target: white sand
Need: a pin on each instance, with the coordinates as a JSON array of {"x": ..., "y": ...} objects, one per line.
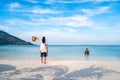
[{"x": 59, "y": 70}]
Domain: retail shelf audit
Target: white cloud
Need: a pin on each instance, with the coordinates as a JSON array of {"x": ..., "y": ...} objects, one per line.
[
  {"x": 16, "y": 22},
  {"x": 71, "y": 30},
  {"x": 99, "y": 10},
  {"x": 72, "y": 21},
  {"x": 32, "y": 1},
  {"x": 67, "y": 1},
  {"x": 44, "y": 11},
  {"x": 4, "y": 28},
  {"x": 116, "y": 30},
  {"x": 76, "y": 1},
  {"x": 14, "y": 5},
  {"x": 50, "y": 1},
  {"x": 11, "y": 21}
]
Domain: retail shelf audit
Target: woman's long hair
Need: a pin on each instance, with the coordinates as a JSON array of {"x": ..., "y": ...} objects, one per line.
[{"x": 43, "y": 39}]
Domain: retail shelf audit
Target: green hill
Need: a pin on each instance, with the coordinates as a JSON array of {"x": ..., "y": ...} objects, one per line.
[{"x": 7, "y": 39}]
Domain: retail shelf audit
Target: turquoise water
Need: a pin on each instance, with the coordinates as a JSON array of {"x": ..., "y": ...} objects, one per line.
[{"x": 62, "y": 52}]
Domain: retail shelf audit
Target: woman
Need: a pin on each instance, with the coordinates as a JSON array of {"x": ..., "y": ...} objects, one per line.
[
  {"x": 86, "y": 53},
  {"x": 43, "y": 50}
]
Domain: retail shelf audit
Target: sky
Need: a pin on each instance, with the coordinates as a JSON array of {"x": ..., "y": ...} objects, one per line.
[{"x": 63, "y": 22}]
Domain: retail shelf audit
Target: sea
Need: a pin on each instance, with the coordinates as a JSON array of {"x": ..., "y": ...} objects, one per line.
[{"x": 61, "y": 52}]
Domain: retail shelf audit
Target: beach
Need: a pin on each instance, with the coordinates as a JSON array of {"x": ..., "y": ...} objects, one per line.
[
  {"x": 59, "y": 70},
  {"x": 64, "y": 63}
]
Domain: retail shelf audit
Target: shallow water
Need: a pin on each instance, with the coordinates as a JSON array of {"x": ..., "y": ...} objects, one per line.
[{"x": 61, "y": 52}]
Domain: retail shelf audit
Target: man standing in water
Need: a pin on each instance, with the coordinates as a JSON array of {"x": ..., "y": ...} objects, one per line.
[
  {"x": 86, "y": 53},
  {"x": 43, "y": 50}
]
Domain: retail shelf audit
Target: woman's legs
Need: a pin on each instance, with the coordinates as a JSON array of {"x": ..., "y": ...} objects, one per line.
[
  {"x": 41, "y": 59},
  {"x": 44, "y": 60}
]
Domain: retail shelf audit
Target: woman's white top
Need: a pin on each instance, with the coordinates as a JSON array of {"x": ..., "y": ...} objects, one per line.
[{"x": 43, "y": 47}]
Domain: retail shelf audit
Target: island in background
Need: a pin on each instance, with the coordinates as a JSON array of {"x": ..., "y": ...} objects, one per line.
[{"x": 7, "y": 39}]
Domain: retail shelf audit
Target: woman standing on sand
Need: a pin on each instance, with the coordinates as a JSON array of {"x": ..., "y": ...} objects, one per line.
[{"x": 43, "y": 50}]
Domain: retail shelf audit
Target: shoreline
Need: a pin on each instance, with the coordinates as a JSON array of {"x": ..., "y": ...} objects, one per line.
[{"x": 62, "y": 59}]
